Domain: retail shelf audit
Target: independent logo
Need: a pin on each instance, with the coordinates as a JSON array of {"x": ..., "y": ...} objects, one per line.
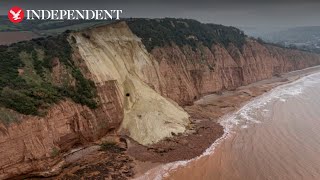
[{"x": 16, "y": 14}]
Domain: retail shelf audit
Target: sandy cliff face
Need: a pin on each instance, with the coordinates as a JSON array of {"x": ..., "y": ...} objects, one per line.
[
  {"x": 114, "y": 53},
  {"x": 188, "y": 74}
]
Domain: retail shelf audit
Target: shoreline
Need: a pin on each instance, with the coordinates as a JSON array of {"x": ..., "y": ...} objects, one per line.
[
  {"x": 116, "y": 156},
  {"x": 205, "y": 115}
]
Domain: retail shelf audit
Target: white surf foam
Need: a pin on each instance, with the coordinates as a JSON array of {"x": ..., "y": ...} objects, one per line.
[{"x": 244, "y": 117}]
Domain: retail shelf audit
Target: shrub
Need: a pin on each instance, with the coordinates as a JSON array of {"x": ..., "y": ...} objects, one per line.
[
  {"x": 27, "y": 97},
  {"x": 111, "y": 147},
  {"x": 55, "y": 152},
  {"x": 161, "y": 32}
]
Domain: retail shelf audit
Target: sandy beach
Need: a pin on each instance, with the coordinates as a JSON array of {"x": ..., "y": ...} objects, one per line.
[
  {"x": 205, "y": 129},
  {"x": 124, "y": 158}
]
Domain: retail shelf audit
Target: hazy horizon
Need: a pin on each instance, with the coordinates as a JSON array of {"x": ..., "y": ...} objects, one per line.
[{"x": 250, "y": 15}]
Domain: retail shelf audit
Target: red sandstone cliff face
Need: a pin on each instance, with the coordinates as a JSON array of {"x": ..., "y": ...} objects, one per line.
[
  {"x": 178, "y": 73},
  {"x": 37, "y": 144},
  {"x": 188, "y": 74}
]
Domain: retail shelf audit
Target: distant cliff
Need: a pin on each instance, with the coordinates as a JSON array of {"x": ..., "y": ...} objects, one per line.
[
  {"x": 198, "y": 59},
  {"x": 132, "y": 86},
  {"x": 189, "y": 74}
]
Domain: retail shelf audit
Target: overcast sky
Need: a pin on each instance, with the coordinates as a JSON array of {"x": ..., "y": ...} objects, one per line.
[{"x": 266, "y": 14}]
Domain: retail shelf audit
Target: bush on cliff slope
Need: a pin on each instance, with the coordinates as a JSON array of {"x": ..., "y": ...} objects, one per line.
[
  {"x": 161, "y": 32},
  {"x": 25, "y": 77}
]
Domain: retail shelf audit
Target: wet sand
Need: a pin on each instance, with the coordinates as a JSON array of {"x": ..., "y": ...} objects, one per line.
[{"x": 205, "y": 129}]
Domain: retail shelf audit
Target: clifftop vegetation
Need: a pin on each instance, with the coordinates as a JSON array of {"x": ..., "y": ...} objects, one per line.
[
  {"x": 43, "y": 28},
  {"x": 26, "y": 82},
  {"x": 161, "y": 32}
]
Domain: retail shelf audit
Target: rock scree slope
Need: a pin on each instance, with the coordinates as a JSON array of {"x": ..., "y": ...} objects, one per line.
[{"x": 114, "y": 53}]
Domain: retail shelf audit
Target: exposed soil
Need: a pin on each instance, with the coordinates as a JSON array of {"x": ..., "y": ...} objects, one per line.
[
  {"x": 100, "y": 166},
  {"x": 109, "y": 162},
  {"x": 183, "y": 146}
]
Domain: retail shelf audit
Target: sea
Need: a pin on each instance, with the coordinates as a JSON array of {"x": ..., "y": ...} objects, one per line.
[{"x": 275, "y": 136}]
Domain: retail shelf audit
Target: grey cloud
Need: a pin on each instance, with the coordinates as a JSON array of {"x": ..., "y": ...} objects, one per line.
[{"x": 262, "y": 14}]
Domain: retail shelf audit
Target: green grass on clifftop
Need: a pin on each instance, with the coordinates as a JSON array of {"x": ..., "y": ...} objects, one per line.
[
  {"x": 161, "y": 32},
  {"x": 26, "y": 83}
]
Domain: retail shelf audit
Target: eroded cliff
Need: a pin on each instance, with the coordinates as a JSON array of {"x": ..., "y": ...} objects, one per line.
[
  {"x": 188, "y": 74},
  {"x": 114, "y": 53},
  {"x": 125, "y": 76}
]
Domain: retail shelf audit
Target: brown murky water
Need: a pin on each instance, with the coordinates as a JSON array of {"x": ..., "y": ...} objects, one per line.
[{"x": 276, "y": 136}]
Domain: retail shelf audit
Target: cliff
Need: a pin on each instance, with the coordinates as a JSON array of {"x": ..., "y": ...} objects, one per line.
[
  {"x": 115, "y": 59},
  {"x": 114, "y": 54},
  {"x": 196, "y": 59},
  {"x": 138, "y": 91},
  {"x": 188, "y": 75}
]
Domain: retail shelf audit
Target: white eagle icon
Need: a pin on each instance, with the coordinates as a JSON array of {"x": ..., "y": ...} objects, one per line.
[{"x": 16, "y": 15}]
